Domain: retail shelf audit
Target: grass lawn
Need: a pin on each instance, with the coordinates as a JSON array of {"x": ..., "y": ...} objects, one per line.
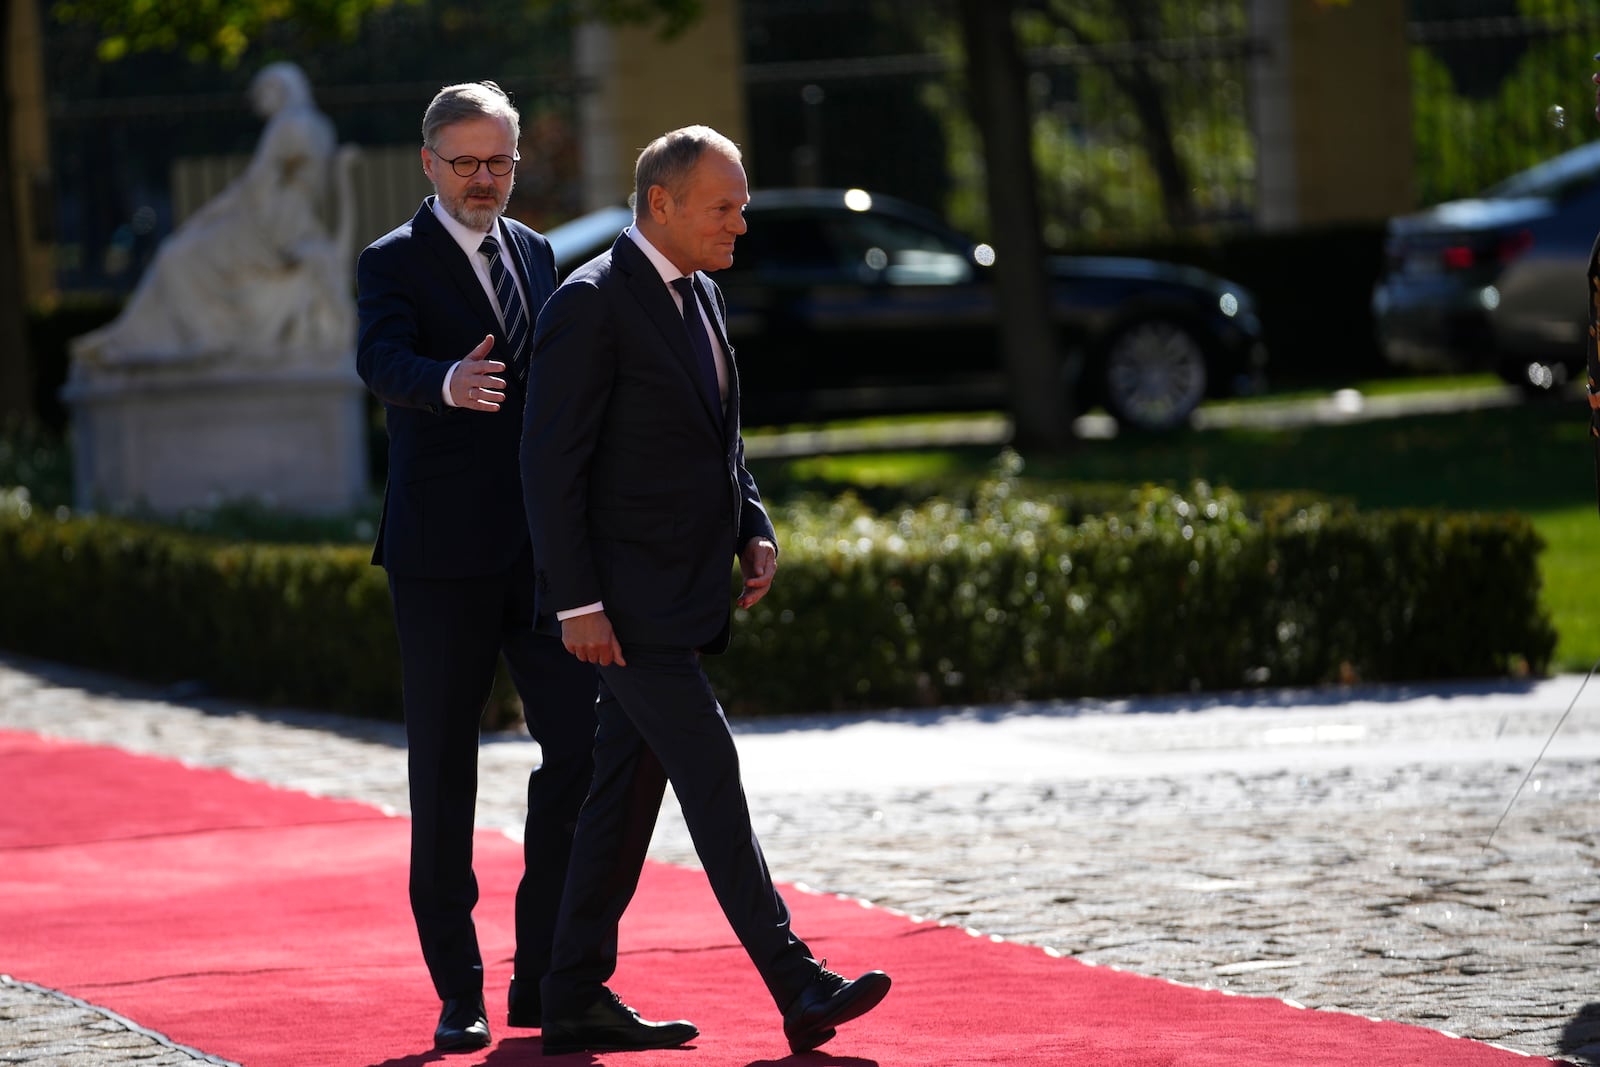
[{"x": 1533, "y": 459}]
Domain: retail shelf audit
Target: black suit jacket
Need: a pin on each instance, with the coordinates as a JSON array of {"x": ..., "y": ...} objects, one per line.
[
  {"x": 636, "y": 488},
  {"x": 453, "y": 504}
]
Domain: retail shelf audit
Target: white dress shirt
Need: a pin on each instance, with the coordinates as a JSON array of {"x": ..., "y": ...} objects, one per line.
[{"x": 469, "y": 240}]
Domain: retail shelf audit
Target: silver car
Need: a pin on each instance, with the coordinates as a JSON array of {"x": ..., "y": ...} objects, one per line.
[{"x": 1497, "y": 282}]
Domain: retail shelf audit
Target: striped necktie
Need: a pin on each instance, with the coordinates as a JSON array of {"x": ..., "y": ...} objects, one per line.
[{"x": 511, "y": 309}]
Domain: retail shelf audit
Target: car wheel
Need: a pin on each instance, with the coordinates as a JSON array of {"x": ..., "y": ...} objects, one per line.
[{"x": 1154, "y": 375}]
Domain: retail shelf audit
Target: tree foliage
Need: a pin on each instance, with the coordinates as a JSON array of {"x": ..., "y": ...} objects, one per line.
[
  {"x": 222, "y": 31},
  {"x": 1140, "y": 122},
  {"x": 1141, "y": 114},
  {"x": 219, "y": 31}
]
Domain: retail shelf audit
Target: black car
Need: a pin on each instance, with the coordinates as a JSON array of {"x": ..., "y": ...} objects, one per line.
[
  {"x": 1496, "y": 282},
  {"x": 846, "y": 303}
]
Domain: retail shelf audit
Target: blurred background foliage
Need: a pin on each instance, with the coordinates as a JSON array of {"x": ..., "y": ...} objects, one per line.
[
  {"x": 1142, "y": 125},
  {"x": 1498, "y": 86},
  {"x": 1143, "y": 108}
]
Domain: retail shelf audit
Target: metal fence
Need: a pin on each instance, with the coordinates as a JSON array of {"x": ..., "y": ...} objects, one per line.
[
  {"x": 847, "y": 92},
  {"x": 1497, "y": 85},
  {"x": 130, "y": 171},
  {"x": 137, "y": 144}
]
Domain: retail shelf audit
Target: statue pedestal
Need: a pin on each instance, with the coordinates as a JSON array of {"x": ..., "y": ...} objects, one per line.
[{"x": 172, "y": 436}]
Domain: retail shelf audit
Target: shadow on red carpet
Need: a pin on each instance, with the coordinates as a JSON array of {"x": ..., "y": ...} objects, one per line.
[{"x": 271, "y": 928}]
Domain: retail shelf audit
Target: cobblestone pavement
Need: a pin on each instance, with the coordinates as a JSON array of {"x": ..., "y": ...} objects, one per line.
[{"x": 1333, "y": 849}]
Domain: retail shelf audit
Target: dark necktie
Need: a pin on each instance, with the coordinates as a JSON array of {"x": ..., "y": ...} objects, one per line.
[
  {"x": 699, "y": 341},
  {"x": 511, "y": 309}
]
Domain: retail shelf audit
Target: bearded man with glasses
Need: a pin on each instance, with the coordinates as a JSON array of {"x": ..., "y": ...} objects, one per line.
[{"x": 446, "y": 304}]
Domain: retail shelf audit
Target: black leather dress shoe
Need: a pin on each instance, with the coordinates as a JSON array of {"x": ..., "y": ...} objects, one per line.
[
  {"x": 608, "y": 1025},
  {"x": 463, "y": 1026},
  {"x": 828, "y": 1001},
  {"x": 522, "y": 1005}
]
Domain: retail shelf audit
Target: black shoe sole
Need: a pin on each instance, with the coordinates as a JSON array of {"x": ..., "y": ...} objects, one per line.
[
  {"x": 563, "y": 1046},
  {"x": 460, "y": 1044},
  {"x": 812, "y": 1040}
]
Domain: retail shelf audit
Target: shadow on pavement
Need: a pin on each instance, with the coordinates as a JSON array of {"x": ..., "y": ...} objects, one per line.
[{"x": 1580, "y": 1041}]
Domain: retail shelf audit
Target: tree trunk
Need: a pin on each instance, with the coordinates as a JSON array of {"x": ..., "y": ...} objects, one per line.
[
  {"x": 1149, "y": 98},
  {"x": 16, "y": 379},
  {"x": 997, "y": 93}
]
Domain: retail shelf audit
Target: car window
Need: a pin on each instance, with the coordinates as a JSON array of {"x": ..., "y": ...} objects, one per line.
[
  {"x": 846, "y": 247},
  {"x": 905, "y": 253}
]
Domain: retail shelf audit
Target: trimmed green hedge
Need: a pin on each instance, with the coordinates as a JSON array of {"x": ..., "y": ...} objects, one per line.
[
  {"x": 1002, "y": 598},
  {"x": 290, "y": 624},
  {"x": 1012, "y": 599}
]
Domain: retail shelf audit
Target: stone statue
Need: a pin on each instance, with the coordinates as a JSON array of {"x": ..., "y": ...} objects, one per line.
[
  {"x": 254, "y": 276},
  {"x": 230, "y": 374}
]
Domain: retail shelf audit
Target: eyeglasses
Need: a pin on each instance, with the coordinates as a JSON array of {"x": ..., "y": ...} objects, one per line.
[{"x": 467, "y": 166}]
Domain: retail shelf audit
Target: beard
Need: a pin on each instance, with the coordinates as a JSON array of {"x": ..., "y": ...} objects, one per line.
[{"x": 472, "y": 215}]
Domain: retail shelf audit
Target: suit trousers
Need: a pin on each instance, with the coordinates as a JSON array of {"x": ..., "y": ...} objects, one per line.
[
  {"x": 660, "y": 722},
  {"x": 451, "y": 634}
]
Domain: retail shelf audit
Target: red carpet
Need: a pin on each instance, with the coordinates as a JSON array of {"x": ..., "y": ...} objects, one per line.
[{"x": 271, "y": 928}]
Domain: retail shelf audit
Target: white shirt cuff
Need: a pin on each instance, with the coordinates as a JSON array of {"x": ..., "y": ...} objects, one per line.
[
  {"x": 447, "y": 376},
  {"x": 573, "y": 613}
]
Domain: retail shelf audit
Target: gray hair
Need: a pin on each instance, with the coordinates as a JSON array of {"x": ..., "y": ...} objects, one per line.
[
  {"x": 668, "y": 159},
  {"x": 469, "y": 100}
]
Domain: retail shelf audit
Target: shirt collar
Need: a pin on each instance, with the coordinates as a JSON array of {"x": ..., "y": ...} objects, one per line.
[{"x": 661, "y": 263}]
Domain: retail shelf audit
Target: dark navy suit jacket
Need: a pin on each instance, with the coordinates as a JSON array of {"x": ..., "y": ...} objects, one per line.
[
  {"x": 636, "y": 488},
  {"x": 453, "y": 505}
]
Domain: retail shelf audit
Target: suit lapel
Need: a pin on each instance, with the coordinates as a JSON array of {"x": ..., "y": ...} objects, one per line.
[
  {"x": 522, "y": 252},
  {"x": 648, "y": 288},
  {"x": 456, "y": 267}
]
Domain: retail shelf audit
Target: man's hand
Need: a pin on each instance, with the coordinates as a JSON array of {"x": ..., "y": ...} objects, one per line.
[
  {"x": 475, "y": 384},
  {"x": 589, "y": 637},
  {"x": 757, "y": 564}
]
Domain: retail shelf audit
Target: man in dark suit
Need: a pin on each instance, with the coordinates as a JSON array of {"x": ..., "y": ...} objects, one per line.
[
  {"x": 638, "y": 500},
  {"x": 437, "y": 297}
]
